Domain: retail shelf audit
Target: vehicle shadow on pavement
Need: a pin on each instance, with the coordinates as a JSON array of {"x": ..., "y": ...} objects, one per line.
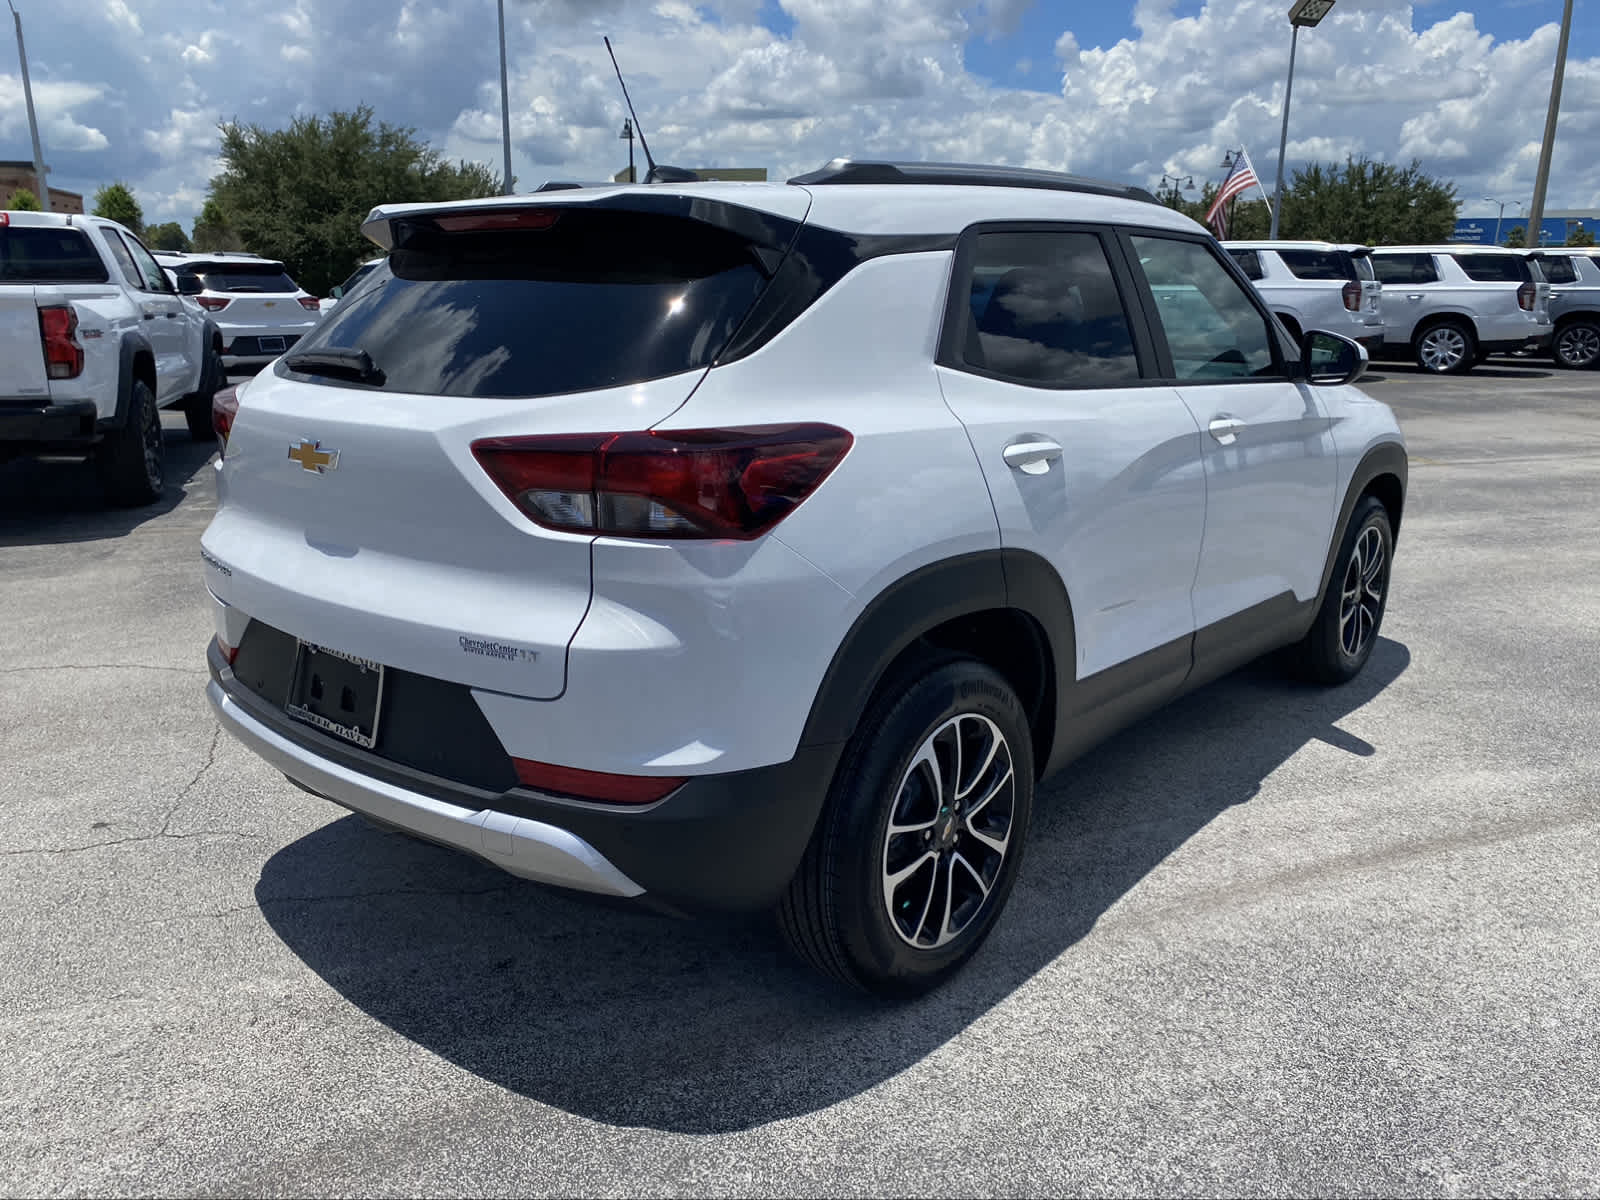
[
  {"x": 56, "y": 501},
  {"x": 705, "y": 1027}
]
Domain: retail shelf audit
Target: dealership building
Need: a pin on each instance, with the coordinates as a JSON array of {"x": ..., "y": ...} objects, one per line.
[{"x": 1554, "y": 230}]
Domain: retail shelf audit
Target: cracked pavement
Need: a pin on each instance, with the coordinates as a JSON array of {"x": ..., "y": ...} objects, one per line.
[{"x": 1273, "y": 940}]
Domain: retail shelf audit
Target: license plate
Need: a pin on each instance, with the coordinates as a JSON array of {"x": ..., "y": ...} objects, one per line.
[
  {"x": 337, "y": 692},
  {"x": 270, "y": 345}
]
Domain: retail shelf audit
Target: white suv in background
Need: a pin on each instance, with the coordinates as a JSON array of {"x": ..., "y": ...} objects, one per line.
[
  {"x": 1574, "y": 276},
  {"x": 748, "y": 546},
  {"x": 1317, "y": 285},
  {"x": 260, "y": 311},
  {"x": 1451, "y": 307}
]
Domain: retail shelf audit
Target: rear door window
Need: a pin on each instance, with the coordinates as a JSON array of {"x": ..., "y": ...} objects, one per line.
[
  {"x": 1405, "y": 268},
  {"x": 1319, "y": 264},
  {"x": 46, "y": 254},
  {"x": 244, "y": 277},
  {"x": 1495, "y": 268},
  {"x": 574, "y": 299},
  {"x": 1558, "y": 269}
]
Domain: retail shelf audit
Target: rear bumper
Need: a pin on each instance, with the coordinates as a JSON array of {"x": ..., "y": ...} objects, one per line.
[
  {"x": 68, "y": 426},
  {"x": 720, "y": 843}
]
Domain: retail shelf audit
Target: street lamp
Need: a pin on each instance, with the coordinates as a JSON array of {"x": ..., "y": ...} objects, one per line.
[
  {"x": 1498, "y": 215},
  {"x": 1308, "y": 13},
  {"x": 33, "y": 123},
  {"x": 505, "y": 99},
  {"x": 627, "y": 132}
]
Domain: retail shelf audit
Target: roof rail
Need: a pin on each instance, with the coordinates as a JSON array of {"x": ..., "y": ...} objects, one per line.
[{"x": 846, "y": 170}]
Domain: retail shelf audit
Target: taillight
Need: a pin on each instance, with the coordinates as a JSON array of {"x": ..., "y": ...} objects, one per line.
[
  {"x": 58, "y": 334},
  {"x": 229, "y": 653},
  {"x": 224, "y": 407},
  {"x": 310, "y": 303},
  {"x": 695, "y": 483},
  {"x": 1352, "y": 296},
  {"x": 1526, "y": 295},
  {"x": 214, "y": 303},
  {"x": 594, "y": 785}
]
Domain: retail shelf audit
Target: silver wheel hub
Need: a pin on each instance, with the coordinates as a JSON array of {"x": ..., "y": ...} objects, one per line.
[
  {"x": 1443, "y": 348},
  {"x": 1361, "y": 599},
  {"x": 1579, "y": 345},
  {"x": 949, "y": 831}
]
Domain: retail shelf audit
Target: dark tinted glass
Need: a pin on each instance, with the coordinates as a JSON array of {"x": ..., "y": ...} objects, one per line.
[
  {"x": 46, "y": 255},
  {"x": 1404, "y": 268},
  {"x": 242, "y": 277},
  {"x": 1495, "y": 268},
  {"x": 356, "y": 276},
  {"x": 1045, "y": 309},
  {"x": 1319, "y": 264},
  {"x": 1559, "y": 270},
  {"x": 1249, "y": 262},
  {"x": 120, "y": 252},
  {"x": 601, "y": 298}
]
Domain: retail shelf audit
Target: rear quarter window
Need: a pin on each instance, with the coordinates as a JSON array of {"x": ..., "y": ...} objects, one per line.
[
  {"x": 1249, "y": 262},
  {"x": 1495, "y": 268},
  {"x": 43, "y": 254}
]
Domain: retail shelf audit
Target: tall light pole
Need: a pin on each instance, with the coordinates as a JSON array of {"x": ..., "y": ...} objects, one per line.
[
  {"x": 1308, "y": 13},
  {"x": 1497, "y": 216},
  {"x": 1542, "y": 179},
  {"x": 33, "y": 122},
  {"x": 505, "y": 100}
]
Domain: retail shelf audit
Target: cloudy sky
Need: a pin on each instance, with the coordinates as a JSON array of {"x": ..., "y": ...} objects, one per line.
[{"x": 134, "y": 89}]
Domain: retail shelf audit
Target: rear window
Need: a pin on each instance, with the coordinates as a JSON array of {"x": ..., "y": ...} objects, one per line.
[
  {"x": 1495, "y": 268},
  {"x": 1363, "y": 265},
  {"x": 243, "y": 277},
  {"x": 1405, "y": 268},
  {"x": 1559, "y": 270},
  {"x": 44, "y": 254},
  {"x": 1319, "y": 264},
  {"x": 1249, "y": 262},
  {"x": 596, "y": 298}
]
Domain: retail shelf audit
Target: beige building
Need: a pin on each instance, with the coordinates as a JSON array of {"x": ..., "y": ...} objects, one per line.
[
  {"x": 15, "y": 175},
  {"x": 727, "y": 174}
]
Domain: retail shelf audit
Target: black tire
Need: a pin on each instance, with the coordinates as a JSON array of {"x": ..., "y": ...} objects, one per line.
[
  {"x": 197, "y": 405},
  {"x": 1446, "y": 346},
  {"x": 1577, "y": 345},
  {"x": 836, "y": 914},
  {"x": 1345, "y": 631},
  {"x": 131, "y": 461}
]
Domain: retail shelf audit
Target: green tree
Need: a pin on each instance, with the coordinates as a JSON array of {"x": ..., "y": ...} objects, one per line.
[
  {"x": 1247, "y": 219},
  {"x": 301, "y": 193},
  {"x": 1365, "y": 201},
  {"x": 212, "y": 230},
  {"x": 1517, "y": 238},
  {"x": 115, "y": 202},
  {"x": 22, "y": 200},
  {"x": 1579, "y": 236},
  {"x": 167, "y": 236}
]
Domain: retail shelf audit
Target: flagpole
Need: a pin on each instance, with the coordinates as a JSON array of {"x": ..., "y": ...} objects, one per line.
[{"x": 1260, "y": 187}]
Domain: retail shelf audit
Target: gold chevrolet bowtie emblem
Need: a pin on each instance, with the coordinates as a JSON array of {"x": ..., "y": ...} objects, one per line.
[{"x": 312, "y": 457}]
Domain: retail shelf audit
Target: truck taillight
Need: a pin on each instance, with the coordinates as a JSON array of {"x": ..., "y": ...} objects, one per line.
[
  {"x": 1352, "y": 296},
  {"x": 214, "y": 303},
  {"x": 683, "y": 483},
  {"x": 1526, "y": 295},
  {"x": 58, "y": 334}
]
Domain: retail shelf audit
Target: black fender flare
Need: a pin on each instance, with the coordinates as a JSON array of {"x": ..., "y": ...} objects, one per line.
[
  {"x": 1386, "y": 458},
  {"x": 921, "y": 601},
  {"x": 132, "y": 345}
]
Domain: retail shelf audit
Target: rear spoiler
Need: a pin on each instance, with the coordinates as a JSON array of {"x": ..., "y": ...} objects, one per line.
[{"x": 1360, "y": 251}]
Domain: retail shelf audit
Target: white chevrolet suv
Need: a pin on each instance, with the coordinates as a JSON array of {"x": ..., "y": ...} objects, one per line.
[
  {"x": 748, "y": 546},
  {"x": 1450, "y": 307},
  {"x": 1317, "y": 285},
  {"x": 259, "y": 309}
]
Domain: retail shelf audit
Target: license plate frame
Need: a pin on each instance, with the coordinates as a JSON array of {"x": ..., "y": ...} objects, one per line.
[
  {"x": 329, "y": 690},
  {"x": 271, "y": 345}
]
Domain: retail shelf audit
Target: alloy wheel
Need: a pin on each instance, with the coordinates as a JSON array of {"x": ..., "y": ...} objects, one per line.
[
  {"x": 1579, "y": 346},
  {"x": 1361, "y": 600},
  {"x": 1442, "y": 348},
  {"x": 949, "y": 831}
]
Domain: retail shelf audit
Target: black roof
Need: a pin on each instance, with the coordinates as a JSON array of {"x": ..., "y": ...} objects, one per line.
[{"x": 847, "y": 170}]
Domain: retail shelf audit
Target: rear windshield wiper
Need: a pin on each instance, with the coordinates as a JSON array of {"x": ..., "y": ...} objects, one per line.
[{"x": 338, "y": 363}]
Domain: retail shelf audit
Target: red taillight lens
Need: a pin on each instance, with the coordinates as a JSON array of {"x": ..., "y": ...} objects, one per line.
[
  {"x": 1352, "y": 296},
  {"x": 485, "y": 221},
  {"x": 224, "y": 407},
  {"x": 594, "y": 785},
  {"x": 1526, "y": 295},
  {"x": 214, "y": 303},
  {"x": 310, "y": 303},
  {"x": 58, "y": 334},
  {"x": 699, "y": 483},
  {"x": 229, "y": 653}
]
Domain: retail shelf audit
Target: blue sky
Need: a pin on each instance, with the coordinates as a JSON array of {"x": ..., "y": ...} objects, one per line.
[{"x": 134, "y": 89}]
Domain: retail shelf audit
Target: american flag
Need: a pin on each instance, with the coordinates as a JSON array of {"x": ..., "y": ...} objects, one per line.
[{"x": 1240, "y": 180}]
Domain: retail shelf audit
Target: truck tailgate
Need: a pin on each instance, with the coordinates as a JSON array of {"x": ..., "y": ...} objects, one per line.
[{"x": 21, "y": 356}]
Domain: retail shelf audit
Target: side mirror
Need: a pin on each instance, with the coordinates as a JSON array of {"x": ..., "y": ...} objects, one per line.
[
  {"x": 1332, "y": 359},
  {"x": 337, "y": 293},
  {"x": 189, "y": 284}
]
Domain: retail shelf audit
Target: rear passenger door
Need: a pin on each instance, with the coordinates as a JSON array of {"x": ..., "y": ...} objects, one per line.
[
  {"x": 1271, "y": 468},
  {"x": 1092, "y": 464}
]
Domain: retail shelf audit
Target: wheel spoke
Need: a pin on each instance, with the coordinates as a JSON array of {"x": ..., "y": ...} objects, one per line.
[
  {"x": 983, "y": 887},
  {"x": 927, "y": 903},
  {"x": 977, "y": 776},
  {"x": 949, "y": 890},
  {"x": 998, "y": 845},
  {"x": 993, "y": 792}
]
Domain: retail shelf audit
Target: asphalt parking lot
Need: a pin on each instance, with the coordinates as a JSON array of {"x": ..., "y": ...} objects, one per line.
[{"x": 1273, "y": 940}]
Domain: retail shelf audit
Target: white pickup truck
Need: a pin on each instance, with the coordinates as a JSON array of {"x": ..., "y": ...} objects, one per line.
[{"x": 94, "y": 341}]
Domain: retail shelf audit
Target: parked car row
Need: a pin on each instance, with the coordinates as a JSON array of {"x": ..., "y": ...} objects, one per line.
[{"x": 1447, "y": 308}]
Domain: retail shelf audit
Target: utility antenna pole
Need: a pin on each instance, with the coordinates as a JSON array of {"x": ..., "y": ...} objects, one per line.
[
  {"x": 33, "y": 122},
  {"x": 1542, "y": 180},
  {"x": 505, "y": 102}
]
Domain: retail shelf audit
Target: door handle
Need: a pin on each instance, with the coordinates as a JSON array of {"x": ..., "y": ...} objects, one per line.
[
  {"x": 1225, "y": 429},
  {"x": 149, "y": 316},
  {"x": 172, "y": 316},
  {"x": 1413, "y": 295},
  {"x": 1032, "y": 455}
]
